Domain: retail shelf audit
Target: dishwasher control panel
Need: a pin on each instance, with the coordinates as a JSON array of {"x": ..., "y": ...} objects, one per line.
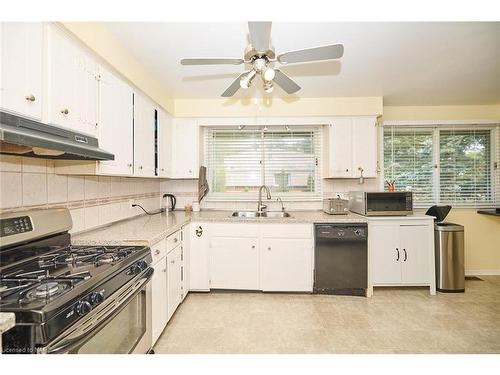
[{"x": 336, "y": 231}]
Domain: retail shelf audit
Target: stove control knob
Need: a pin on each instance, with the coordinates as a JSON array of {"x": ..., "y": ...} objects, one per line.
[
  {"x": 96, "y": 297},
  {"x": 142, "y": 265},
  {"x": 135, "y": 269},
  {"x": 83, "y": 307}
]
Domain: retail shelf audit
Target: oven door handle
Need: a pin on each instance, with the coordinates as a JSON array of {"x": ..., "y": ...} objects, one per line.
[{"x": 65, "y": 345}]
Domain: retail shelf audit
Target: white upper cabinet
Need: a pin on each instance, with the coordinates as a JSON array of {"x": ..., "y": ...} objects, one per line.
[
  {"x": 185, "y": 148},
  {"x": 144, "y": 136},
  {"x": 72, "y": 84},
  {"x": 350, "y": 148},
  {"x": 364, "y": 146},
  {"x": 116, "y": 124},
  {"x": 164, "y": 144},
  {"x": 21, "y": 68}
]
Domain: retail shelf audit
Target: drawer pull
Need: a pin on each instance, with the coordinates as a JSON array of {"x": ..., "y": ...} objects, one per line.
[
  {"x": 157, "y": 251},
  {"x": 64, "y": 111},
  {"x": 397, "y": 259},
  {"x": 406, "y": 255},
  {"x": 30, "y": 98}
]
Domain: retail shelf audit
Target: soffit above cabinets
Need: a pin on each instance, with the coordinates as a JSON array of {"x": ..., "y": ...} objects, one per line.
[{"x": 406, "y": 63}]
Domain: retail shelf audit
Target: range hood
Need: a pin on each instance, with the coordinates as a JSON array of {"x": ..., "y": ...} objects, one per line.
[{"x": 20, "y": 136}]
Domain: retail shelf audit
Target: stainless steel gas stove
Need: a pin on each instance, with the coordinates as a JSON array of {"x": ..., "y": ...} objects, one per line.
[{"x": 71, "y": 299}]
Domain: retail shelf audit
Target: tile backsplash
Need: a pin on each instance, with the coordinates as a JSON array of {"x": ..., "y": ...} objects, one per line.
[
  {"x": 186, "y": 191},
  {"x": 27, "y": 183}
]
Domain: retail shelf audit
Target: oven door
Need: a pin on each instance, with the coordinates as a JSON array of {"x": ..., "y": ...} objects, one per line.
[{"x": 121, "y": 326}]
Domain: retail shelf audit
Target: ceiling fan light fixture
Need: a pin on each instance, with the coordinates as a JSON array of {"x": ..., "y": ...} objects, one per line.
[
  {"x": 268, "y": 74},
  {"x": 268, "y": 87},
  {"x": 247, "y": 79}
]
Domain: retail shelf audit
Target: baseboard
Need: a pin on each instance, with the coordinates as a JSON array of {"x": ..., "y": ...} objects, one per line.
[{"x": 482, "y": 272}]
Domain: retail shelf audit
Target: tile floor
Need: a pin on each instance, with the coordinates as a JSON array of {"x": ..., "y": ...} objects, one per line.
[{"x": 395, "y": 320}]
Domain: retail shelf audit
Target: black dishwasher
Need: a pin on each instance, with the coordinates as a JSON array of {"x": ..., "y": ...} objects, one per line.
[{"x": 341, "y": 259}]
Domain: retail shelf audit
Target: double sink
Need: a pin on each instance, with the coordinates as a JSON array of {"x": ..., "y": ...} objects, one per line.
[{"x": 263, "y": 214}]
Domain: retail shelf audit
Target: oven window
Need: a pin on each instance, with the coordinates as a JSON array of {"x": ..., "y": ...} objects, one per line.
[{"x": 122, "y": 333}]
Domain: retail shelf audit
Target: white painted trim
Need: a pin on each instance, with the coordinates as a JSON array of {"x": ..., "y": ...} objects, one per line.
[
  {"x": 439, "y": 122},
  {"x": 486, "y": 272}
]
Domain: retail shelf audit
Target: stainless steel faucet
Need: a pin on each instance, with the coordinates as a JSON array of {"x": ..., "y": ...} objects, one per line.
[
  {"x": 282, "y": 207},
  {"x": 261, "y": 207}
]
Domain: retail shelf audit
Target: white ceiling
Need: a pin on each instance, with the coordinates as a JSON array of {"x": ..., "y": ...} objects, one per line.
[{"x": 406, "y": 63}]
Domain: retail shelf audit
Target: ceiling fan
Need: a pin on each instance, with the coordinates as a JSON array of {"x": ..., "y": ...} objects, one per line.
[{"x": 261, "y": 56}]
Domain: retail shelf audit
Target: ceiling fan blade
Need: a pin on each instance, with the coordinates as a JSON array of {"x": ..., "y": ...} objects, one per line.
[
  {"x": 216, "y": 61},
  {"x": 285, "y": 82},
  {"x": 260, "y": 35},
  {"x": 334, "y": 51},
  {"x": 233, "y": 87}
]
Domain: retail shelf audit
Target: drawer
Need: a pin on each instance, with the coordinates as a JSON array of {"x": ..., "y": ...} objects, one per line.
[
  {"x": 286, "y": 230},
  {"x": 158, "y": 251},
  {"x": 173, "y": 241}
]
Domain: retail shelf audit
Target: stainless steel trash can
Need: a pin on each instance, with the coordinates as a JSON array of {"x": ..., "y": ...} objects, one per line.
[{"x": 450, "y": 262}]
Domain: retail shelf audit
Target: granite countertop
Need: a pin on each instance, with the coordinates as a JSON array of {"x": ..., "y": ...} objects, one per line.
[
  {"x": 7, "y": 321},
  {"x": 147, "y": 230}
]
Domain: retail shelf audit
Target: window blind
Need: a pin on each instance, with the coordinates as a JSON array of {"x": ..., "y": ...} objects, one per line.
[
  {"x": 408, "y": 161},
  {"x": 240, "y": 161},
  {"x": 455, "y": 165},
  {"x": 465, "y": 166}
]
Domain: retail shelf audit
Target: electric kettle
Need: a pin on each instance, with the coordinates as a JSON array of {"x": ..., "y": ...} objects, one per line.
[{"x": 171, "y": 201}]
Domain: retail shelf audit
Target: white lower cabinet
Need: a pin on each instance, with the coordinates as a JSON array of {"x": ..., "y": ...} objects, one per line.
[
  {"x": 286, "y": 265},
  {"x": 199, "y": 257},
  {"x": 159, "y": 300},
  {"x": 159, "y": 304},
  {"x": 174, "y": 282},
  {"x": 268, "y": 257},
  {"x": 401, "y": 252},
  {"x": 234, "y": 263}
]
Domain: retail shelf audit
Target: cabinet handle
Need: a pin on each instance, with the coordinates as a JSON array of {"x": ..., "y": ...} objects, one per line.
[
  {"x": 129, "y": 165},
  {"x": 157, "y": 251},
  {"x": 172, "y": 261},
  {"x": 406, "y": 255},
  {"x": 30, "y": 98},
  {"x": 269, "y": 248},
  {"x": 164, "y": 270},
  {"x": 397, "y": 259},
  {"x": 64, "y": 111},
  {"x": 347, "y": 170},
  {"x": 176, "y": 239},
  {"x": 190, "y": 171},
  {"x": 163, "y": 169},
  {"x": 253, "y": 246},
  {"x": 140, "y": 166}
]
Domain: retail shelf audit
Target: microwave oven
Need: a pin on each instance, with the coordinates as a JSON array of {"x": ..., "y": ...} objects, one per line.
[{"x": 394, "y": 203}]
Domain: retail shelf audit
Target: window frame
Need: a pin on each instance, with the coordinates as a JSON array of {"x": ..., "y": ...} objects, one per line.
[
  {"x": 317, "y": 195},
  {"x": 436, "y": 127}
]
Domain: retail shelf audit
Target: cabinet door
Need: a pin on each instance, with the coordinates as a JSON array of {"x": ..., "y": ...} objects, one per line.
[
  {"x": 339, "y": 149},
  {"x": 199, "y": 260},
  {"x": 144, "y": 134},
  {"x": 385, "y": 254},
  {"x": 164, "y": 143},
  {"x": 185, "y": 148},
  {"x": 415, "y": 254},
  {"x": 72, "y": 84},
  {"x": 286, "y": 265},
  {"x": 21, "y": 68},
  {"x": 159, "y": 304},
  {"x": 234, "y": 263},
  {"x": 174, "y": 280},
  {"x": 116, "y": 130},
  {"x": 364, "y": 146}
]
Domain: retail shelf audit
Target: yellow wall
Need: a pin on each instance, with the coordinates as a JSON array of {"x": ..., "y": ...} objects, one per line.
[
  {"x": 451, "y": 112},
  {"x": 482, "y": 232},
  {"x": 99, "y": 39},
  {"x": 279, "y": 107}
]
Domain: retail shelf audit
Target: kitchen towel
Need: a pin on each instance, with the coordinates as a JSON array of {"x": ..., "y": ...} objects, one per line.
[{"x": 202, "y": 183}]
